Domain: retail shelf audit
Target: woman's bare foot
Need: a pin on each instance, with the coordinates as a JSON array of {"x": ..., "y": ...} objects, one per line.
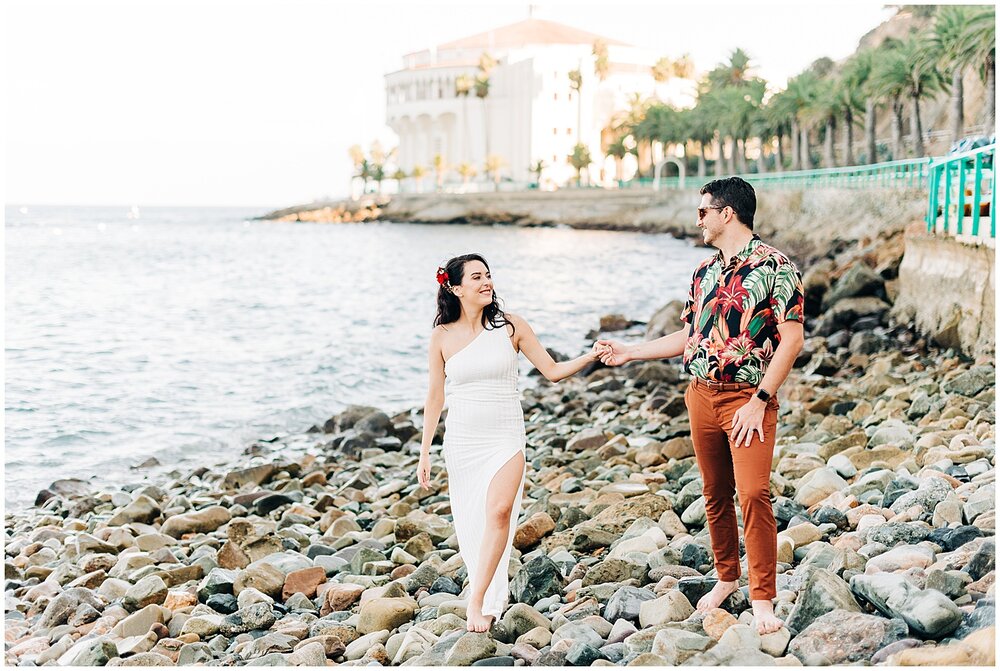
[
  {"x": 718, "y": 594},
  {"x": 475, "y": 620},
  {"x": 763, "y": 615}
]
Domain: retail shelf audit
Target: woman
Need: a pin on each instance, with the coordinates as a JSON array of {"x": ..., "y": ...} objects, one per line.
[{"x": 475, "y": 345}]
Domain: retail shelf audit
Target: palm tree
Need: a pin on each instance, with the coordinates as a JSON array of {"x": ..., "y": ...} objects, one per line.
[
  {"x": 953, "y": 55},
  {"x": 618, "y": 150},
  {"x": 662, "y": 69},
  {"x": 823, "y": 109},
  {"x": 800, "y": 92},
  {"x": 378, "y": 174},
  {"x": 463, "y": 87},
  {"x": 632, "y": 124},
  {"x": 466, "y": 172},
  {"x": 439, "y": 169},
  {"x": 665, "y": 69},
  {"x": 683, "y": 67},
  {"x": 482, "y": 87},
  {"x": 888, "y": 82},
  {"x": 662, "y": 125},
  {"x": 536, "y": 169},
  {"x": 483, "y": 90},
  {"x": 699, "y": 131},
  {"x": 357, "y": 155},
  {"x": 779, "y": 118},
  {"x": 601, "y": 64},
  {"x": 486, "y": 63},
  {"x": 850, "y": 93},
  {"x": 579, "y": 159},
  {"x": 576, "y": 83},
  {"x": 732, "y": 95},
  {"x": 855, "y": 94},
  {"x": 980, "y": 36},
  {"x": 377, "y": 164},
  {"x": 418, "y": 173},
  {"x": 710, "y": 117},
  {"x": 745, "y": 112},
  {"x": 492, "y": 168},
  {"x": 913, "y": 69},
  {"x": 732, "y": 73}
]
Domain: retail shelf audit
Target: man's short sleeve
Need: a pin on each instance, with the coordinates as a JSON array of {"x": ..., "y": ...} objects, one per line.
[{"x": 787, "y": 296}]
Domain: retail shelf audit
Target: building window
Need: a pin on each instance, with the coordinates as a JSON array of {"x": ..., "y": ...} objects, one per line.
[
  {"x": 555, "y": 96},
  {"x": 569, "y": 131},
  {"x": 555, "y": 131},
  {"x": 571, "y": 97},
  {"x": 555, "y": 158}
]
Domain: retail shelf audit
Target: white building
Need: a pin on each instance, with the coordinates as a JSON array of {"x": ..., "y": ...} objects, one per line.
[{"x": 531, "y": 112}]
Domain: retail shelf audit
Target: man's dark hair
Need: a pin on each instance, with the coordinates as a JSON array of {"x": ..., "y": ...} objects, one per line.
[{"x": 737, "y": 194}]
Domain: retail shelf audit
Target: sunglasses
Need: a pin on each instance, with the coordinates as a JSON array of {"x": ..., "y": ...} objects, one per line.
[{"x": 702, "y": 211}]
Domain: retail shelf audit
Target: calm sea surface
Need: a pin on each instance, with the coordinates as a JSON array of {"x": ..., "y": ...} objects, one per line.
[{"x": 190, "y": 331}]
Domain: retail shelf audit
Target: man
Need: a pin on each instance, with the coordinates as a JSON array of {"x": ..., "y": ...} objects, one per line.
[{"x": 744, "y": 330}]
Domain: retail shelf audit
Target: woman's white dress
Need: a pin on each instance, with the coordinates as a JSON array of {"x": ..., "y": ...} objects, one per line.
[{"x": 484, "y": 430}]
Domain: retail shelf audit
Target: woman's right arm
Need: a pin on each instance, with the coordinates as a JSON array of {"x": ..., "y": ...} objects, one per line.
[{"x": 432, "y": 406}]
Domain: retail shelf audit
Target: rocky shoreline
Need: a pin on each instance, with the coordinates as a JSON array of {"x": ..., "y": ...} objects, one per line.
[{"x": 322, "y": 549}]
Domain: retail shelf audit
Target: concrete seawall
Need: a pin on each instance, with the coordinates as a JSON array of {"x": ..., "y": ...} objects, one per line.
[
  {"x": 947, "y": 289},
  {"x": 808, "y": 224}
]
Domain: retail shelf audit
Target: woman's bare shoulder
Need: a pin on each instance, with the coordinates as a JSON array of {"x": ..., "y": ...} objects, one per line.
[{"x": 438, "y": 333}]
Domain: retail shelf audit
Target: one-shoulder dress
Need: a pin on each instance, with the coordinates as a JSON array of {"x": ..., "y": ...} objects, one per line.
[{"x": 484, "y": 429}]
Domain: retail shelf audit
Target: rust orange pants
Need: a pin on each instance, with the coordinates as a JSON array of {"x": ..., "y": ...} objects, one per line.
[{"x": 744, "y": 471}]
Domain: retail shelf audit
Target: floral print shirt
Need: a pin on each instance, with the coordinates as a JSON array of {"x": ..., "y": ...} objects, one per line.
[{"x": 734, "y": 310}]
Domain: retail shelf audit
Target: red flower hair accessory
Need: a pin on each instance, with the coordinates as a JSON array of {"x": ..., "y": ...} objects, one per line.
[{"x": 442, "y": 276}]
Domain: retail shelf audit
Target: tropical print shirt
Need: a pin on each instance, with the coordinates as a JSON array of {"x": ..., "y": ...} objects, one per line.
[{"x": 733, "y": 311}]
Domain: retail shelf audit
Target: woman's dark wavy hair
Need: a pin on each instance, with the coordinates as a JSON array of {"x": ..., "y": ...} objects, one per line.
[{"x": 449, "y": 307}]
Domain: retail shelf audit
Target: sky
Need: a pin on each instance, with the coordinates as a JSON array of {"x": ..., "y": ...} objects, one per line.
[{"x": 253, "y": 103}]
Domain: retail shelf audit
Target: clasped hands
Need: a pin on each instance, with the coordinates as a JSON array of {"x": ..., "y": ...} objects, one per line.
[
  {"x": 610, "y": 353},
  {"x": 747, "y": 420}
]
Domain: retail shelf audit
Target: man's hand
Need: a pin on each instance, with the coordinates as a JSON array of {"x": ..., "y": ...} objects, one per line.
[
  {"x": 598, "y": 351},
  {"x": 615, "y": 353},
  {"x": 746, "y": 420}
]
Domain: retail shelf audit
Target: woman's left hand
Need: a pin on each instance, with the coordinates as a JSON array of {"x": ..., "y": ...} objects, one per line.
[{"x": 597, "y": 351}]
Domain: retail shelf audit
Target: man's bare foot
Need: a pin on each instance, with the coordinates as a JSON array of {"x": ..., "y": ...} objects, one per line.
[
  {"x": 475, "y": 620},
  {"x": 718, "y": 594},
  {"x": 763, "y": 615}
]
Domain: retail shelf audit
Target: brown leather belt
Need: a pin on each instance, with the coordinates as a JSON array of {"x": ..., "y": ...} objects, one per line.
[{"x": 723, "y": 386}]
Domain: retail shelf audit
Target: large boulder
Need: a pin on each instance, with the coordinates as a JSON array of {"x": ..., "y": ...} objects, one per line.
[
  {"x": 859, "y": 280},
  {"x": 665, "y": 320},
  {"x": 929, "y": 613},
  {"x": 822, "y": 593}
]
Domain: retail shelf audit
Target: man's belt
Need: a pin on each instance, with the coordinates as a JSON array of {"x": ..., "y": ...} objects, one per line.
[{"x": 723, "y": 386}]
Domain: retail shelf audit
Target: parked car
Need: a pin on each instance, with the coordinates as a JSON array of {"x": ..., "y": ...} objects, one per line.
[{"x": 973, "y": 142}]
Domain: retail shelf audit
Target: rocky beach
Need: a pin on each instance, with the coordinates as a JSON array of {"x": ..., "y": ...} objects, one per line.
[{"x": 320, "y": 548}]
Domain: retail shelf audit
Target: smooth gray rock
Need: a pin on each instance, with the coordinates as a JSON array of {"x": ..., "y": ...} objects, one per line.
[
  {"x": 841, "y": 636},
  {"x": 822, "y": 593},
  {"x": 929, "y": 613}
]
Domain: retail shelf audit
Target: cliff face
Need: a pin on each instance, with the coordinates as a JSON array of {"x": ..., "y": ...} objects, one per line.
[{"x": 934, "y": 112}]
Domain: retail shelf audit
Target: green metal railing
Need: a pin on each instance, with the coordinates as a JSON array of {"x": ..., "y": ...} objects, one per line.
[
  {"x": 971, "y": 171},
  {"x": 907, "y": 173}
]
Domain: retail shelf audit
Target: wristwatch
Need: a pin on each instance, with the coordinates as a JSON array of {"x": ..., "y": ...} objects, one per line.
[{"x": 763, "y": 395}]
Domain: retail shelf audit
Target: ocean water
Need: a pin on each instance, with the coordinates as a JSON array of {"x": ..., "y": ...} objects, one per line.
[{"x": 187, "y": 333}]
